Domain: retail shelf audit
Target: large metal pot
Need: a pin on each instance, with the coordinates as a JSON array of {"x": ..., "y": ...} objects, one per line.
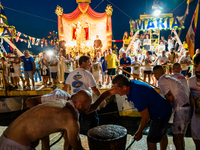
[{"x": 107, "y": 137}]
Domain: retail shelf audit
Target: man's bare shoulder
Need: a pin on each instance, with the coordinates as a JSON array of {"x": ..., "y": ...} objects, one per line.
[{"x": 63, "y": 107}]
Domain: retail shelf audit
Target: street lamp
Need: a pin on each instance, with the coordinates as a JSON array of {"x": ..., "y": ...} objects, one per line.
[{"x": 157, "y": 8}]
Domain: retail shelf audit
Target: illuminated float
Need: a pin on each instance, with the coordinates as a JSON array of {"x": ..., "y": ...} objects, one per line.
[
  {"x": 78, "y": 30},
  {"x": 153, "y": 25}
]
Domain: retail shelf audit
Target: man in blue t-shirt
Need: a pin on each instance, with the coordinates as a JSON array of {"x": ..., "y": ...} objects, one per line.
[
  {"x": 150, "y": 105},
  {"x": 29, "y": 69},
  {"x": 125, "y": 61},
  {"x": 103, "y": 63}
]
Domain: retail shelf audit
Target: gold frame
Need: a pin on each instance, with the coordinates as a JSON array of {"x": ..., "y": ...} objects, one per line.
[
  {"x": 148, "y": 16},
  {"x": 83, "y": 1}
]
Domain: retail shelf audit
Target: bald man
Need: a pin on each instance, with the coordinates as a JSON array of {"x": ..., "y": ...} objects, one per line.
[
  {"x": 176, "y": 69},
  {"x": 175, "y": 93},
  {"x": 40, "y": 121}
]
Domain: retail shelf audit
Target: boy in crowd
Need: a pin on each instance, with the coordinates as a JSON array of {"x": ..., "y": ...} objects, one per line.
[{"x": 96, "y": 70}]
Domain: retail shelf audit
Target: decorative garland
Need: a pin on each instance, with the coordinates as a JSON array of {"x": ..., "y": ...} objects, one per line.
[{"x": 34, "y": 41}]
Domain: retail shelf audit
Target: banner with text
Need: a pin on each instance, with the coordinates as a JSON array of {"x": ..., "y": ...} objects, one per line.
[{"x": 157, "y": 24}]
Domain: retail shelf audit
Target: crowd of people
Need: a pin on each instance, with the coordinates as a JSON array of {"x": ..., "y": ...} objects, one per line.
[
  {"x": 176, "y": 107},
  {"x": 55, "y": 68},
  {"x": 65, "y": 109},
  {"x": 83, "y": 75}
]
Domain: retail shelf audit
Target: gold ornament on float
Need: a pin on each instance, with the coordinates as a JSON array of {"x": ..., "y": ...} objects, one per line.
[
  {"x": 83, "y": 1},
  {"x": 109, "y": 10},
  {"x": 59, "y": 11}
]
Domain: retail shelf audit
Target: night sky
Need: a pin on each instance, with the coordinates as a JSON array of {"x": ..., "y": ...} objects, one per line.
[{"x": 28, "y": 16}]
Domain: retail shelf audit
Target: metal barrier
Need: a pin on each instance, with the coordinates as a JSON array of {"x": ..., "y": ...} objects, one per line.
[
  {"x": 137, "y": 77},
  {"x": 167, "y": 70}
]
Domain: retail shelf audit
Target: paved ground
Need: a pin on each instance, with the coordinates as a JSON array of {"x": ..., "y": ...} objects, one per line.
[{"x": 130, "y": 123}]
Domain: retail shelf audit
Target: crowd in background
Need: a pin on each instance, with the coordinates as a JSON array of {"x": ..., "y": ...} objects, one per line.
[
  {"x": 53, "y": 68},
  {"x": 144, "y": 61}
]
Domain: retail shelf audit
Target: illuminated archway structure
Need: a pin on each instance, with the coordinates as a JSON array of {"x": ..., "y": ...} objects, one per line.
[
  {"x": 79, "y": 28},
  {"x": 154, "y": 25}
]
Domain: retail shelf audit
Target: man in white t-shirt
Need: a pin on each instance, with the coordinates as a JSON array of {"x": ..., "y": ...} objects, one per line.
[
  {"x": 175, "y": 93},
  {"x": 82, "y": 79},
  {"x": 54, "y": 70},
  {"x": 176, "y": 74},
  {"x": 162, "y": 59},
  {"x": 185, "y": 61},
  {"x": 194, "y": 85}
]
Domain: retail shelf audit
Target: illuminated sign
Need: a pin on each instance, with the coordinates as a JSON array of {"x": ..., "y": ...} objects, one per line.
[{"x": 157, "y": 23}]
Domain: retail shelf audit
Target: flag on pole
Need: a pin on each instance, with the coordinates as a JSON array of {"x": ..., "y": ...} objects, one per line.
[
  {"x": 190, "y": 3},
  {"x": 195, "y": 16},
  {"x": 190, "y": 37}
]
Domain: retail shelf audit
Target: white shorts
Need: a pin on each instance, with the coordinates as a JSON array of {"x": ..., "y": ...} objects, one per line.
[
  {"x": 195, "y": 127},
  {"x": 7, "y": 144},
  {"x": 181, "y": 120},
  {"x": 97, "y": 78},
  {"x": 17, "y": 71},
  {"x": 56, "y": 94}
]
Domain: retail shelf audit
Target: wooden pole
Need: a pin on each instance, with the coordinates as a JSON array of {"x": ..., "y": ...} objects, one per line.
[{"x": 184, "y": 17}]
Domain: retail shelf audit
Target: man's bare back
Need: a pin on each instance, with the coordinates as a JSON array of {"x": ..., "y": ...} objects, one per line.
[
  {"x": 35, "y": 123},
  {"x": 50, "y": 117}
]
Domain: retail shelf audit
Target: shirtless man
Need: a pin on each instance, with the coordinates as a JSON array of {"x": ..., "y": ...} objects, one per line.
[{"x": 42, "y": 120}]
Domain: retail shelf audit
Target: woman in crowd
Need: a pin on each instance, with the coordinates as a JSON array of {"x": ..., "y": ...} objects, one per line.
[
  {"x": 126, "y": 40},
  {"x": 44, "y": 63},
  {"x": 147, "y": 60}
]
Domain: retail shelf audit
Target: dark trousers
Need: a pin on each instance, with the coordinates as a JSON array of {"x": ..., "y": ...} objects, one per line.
[
  {"x": 65, "y": 76},
  {"x": 128, "y": 70},
  {"x": 93, "y": 118}
]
